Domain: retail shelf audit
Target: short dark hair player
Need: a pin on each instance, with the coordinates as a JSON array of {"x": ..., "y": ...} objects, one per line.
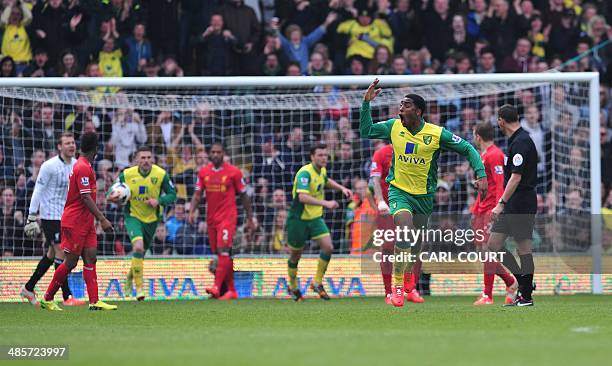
[{"x": 514, "y": 214}]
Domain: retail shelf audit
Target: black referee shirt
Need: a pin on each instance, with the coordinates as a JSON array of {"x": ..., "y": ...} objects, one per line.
[{"x": 522, "y": 158}]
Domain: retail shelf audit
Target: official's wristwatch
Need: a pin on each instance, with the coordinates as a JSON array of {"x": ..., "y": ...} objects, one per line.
[{"x": 501, "y": 201}]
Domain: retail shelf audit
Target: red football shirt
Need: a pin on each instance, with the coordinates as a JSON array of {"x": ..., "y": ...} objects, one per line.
[
  {"x": 82, "y": 180},
  {"x": 381, "y": 163},
  {"x": 493, "y": 160},
  {"x": 221, "y": 186}
]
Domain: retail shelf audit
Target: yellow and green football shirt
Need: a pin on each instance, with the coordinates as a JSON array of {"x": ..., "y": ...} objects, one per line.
[
  {"x": 311, "y": 181},
  {"x": 110, "y": 63},
  {"x": 142, "y": 187},
  {"x": 414, "y": 167},
  {"x": 16, "y": 43}
]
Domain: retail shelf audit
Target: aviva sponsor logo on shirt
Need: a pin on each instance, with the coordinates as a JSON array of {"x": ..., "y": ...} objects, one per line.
[{"x": 410, "y": 156}]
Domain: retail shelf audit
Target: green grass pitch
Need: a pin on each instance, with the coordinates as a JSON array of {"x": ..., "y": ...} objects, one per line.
[{"x": 561, "y": 330}]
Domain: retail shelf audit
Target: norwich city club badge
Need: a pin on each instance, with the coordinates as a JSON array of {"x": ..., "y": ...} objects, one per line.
[
  {"x": 427, "y": 139},
  {"x": 154, "y": 180}
]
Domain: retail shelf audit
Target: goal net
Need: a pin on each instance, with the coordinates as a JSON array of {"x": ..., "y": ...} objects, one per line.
[{"x": 267, "y": 131}]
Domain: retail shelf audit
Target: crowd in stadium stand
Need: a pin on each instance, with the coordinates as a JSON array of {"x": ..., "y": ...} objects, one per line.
[
  {"x": 300, "y": 37},
  {"x": 235, "y": 37}
]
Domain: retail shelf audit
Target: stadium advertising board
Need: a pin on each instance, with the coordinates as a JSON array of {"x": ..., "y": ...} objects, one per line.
[{"x": 186, "y": 278}]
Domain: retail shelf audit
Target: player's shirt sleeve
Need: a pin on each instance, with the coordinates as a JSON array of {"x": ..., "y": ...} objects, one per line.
[
  {"x": 199, "y": 186},
  {"x": 41, "y": 184},
  {"x": 385, "y": 36},
  {"x": 302, "y": 181},
  {"x": 83, "y": 180},
  {"x": 169, "y": 191},
  {"x": 517, "y": 157},
  {"x": 346, "y": 26},
  {"x": 496, "y": 169},
  {"x": 376, "y": 169},
  {"x": 239, "y": 183},
  {"x": 349, "y": 214},
  {"x": 452, "y": 142},
  {"x": 368, "y": 129}
]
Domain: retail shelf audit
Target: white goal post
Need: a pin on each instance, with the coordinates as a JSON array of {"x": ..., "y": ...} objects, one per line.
[{"x": 357, "y": 84}]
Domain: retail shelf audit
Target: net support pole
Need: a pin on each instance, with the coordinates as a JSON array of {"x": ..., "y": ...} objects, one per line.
[{"x": 595, "y": 158}]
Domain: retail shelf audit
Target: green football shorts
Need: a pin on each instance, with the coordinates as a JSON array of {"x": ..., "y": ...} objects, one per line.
[
  {"x": 299, "y": 231},
  {"x": 420, "y": 207},
  {"x": 137, "y": 229}
]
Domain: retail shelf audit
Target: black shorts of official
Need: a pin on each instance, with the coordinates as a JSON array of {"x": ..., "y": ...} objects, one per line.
[
  {"x": 51, "y": 229},
  {"x": 518, "y": 218}
]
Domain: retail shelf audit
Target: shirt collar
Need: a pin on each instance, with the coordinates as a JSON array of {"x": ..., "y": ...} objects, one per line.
[
  {"x": 514, "y": 135},
  {"x": 418, "y": 129}
]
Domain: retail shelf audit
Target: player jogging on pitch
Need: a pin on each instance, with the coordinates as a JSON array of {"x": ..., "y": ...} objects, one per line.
[
  {"x": 414, "y": 171},
  {"x": 221, "y": 181},
  {"x": 305, "y": 222},
  {"x": 147, "y": 182},
  {"x": 48, "y": 199},
  {"x": 515, "y": 212},
  {"x": 493, "y": 160},
  {"x": 381, "y": 163},
  {"x": 78, "y": 230}
]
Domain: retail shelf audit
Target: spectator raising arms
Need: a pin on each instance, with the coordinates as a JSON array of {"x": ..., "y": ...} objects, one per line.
[
  {"x": 16, "y": 41},
  {"x": 217, "y": 44},
  {"x": 365, "y": 35},
  {"x": 110, "y": 59},
  {"x": 297, "y": 47},
  {"x": 180, "y": 157}
]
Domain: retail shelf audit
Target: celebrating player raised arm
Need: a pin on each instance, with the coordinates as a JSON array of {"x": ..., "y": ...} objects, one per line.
[
  {"x": 150, "y": 189},
  {"x": 78, "y": 230},
  {"x": 305, "y": 222},
  {"x": 221, "y": 181},
  {"x": 413, "y": 176},
  {"x": 48, "y": 200}
]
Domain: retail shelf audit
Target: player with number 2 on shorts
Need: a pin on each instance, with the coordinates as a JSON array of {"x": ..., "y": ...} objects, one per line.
[{"x": 221, "y": 181}]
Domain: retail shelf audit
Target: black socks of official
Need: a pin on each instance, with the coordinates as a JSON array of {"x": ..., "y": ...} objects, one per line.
[{"x": 527, "y": 266}]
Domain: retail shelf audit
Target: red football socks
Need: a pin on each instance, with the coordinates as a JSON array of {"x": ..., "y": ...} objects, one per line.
[
  {"x": 387, "y": 282},
  {"x": 506, "y": 276},
  {"x": 59, "y": 277},
  {"x": 229, "y": 279},
  {"x": 91, "y": 281},
  {"x": 224, "y": 265},
  {"x": 411, "y": 279},
  {"x": 490, "y": 270},
  {"x": 386, "y": 269},
  {"x": 489, "y": 278}
]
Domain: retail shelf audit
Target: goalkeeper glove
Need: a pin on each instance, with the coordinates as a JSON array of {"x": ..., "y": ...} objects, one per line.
[
  {"x": 383, "y": 208},
  {"x": 31, "y": 228}
]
